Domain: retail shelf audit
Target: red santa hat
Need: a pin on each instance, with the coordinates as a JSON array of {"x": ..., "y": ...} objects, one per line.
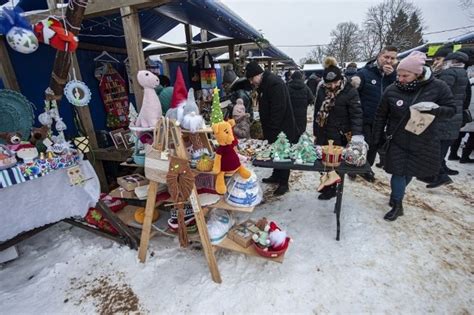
[{"x": 180, "y": 93}]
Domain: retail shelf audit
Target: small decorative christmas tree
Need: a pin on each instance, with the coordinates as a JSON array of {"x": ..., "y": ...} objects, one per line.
[
  {"x": 281, "y": 149},
  {"x": 216, "y": 111},
  {"x": 304, "y": 152}
]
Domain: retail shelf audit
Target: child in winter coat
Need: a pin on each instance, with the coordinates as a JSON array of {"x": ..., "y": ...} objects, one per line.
[{"x": 242, "y": 120}]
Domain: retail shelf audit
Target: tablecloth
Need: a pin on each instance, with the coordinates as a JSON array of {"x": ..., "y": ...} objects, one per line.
[{"x": 47, "y": 199}]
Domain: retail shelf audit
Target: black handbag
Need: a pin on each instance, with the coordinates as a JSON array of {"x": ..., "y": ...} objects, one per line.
[{"x": 384, "y": 148}]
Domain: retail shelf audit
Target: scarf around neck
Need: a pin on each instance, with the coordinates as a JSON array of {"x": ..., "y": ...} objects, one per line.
[
  {"x": 408, "y": 87},
  {"x": 328, "y": 104}
]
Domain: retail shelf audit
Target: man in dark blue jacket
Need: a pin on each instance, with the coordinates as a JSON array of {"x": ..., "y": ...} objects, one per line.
[{"x": 371, "y": 81}]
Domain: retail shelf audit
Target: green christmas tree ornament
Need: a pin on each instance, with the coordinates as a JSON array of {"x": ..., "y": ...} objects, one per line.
[
  {"x": 304, "y": 151},
  {"x": 281, "y": 149},
  {"x": 216, "y": 111}
]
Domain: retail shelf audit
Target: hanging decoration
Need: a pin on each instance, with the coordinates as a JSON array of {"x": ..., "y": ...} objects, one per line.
[
  {"x": 51, "y": 31},
  {"x": 114, "y": 95},
  {"x": 19, "y": 33},
  {"x": 77, "y": 93}
]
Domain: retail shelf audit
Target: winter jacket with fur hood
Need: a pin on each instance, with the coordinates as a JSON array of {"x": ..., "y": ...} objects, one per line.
[
  {"x": 410, "y": 154},
  {"x": 344, "y": 117},
  {"x": 457, "y": 80},
  {"x": 300, "y": 96}
]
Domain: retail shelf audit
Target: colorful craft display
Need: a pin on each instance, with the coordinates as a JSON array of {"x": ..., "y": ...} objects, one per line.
[
  {"x": 51, "y": 31},
  {"x": 18, "y": 32},
  {"x": 114, "y": 95},
  {"x": 44, "y": 165}
]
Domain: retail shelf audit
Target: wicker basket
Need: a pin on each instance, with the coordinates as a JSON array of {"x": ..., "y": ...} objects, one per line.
[{"x": 332, "y": 154}]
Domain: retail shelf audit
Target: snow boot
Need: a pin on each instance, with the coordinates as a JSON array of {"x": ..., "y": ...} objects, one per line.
[
  {"x": 450, "y": 171},
  {"x": 370, "y": 177},
  {"x": 440, "y": 180},
  {"x": 270, "y": 180},
  {"x": 397, "y": 210},
  {"x": 328, "y": 193},
  {"x": 465, "y": 157},
  {"x": 281, "y": 190}
]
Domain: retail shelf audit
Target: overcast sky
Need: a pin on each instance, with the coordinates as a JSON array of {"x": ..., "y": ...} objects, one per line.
[{"x": 306, "y": 22}]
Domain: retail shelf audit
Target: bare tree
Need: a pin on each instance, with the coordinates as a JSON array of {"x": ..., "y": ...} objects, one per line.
[
  {"x": 468, "y": 7},
  {"x": 380, "y": 17},
  {"x": 316, "y": 55},
  {"x": 368, "y": 47},
  {"x": 344, "y": 43}
]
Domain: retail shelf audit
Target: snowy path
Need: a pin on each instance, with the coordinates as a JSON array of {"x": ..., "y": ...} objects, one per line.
[{"x": 423, "y": 262}]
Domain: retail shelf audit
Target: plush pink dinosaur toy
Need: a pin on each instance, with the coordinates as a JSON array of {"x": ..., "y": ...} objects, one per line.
[{"x": 151, "y": 106}]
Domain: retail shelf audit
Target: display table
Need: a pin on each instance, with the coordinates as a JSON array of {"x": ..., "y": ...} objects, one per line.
[
  {"x": 46, "y": 200},
  {"x": 342, "y": 170}
]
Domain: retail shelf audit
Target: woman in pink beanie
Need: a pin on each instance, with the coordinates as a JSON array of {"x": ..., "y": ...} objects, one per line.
[{"x": 409, "y": 155}]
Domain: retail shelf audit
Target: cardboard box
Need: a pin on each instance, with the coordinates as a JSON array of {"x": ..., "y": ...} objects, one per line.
[
  {"x": 129, "y": 182},
  {"x": 242, "y": 233},
  {"x": 120, "y": 192}
]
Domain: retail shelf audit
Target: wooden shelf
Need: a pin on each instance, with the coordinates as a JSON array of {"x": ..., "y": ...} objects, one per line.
[
  {"x": 221, "y": 204},
  {"x": 229, "y": 244},
  {"x": 205, "y": 130},
  {"x": 112, "y": 154},
  {"x": 131, "y": 164}
]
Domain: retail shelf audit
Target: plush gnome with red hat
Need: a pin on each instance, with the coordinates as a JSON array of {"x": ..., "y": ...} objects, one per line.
[
  {"x": 179, "y": 98},
  {"x": 276, "y": 236},
  {"x": 150, "y": 112}
]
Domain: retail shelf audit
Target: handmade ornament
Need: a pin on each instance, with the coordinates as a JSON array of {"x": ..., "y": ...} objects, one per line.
[
  {"x": 27, "y": 152},
  {"x": 280, "y": 149},
  {"x": 180, "y": 179},
  {"x": 261, "y": 236},
  {"x": 355, "y": 153},
  {"x": 18, "y": 32},
  {"x": 77, "y": 93},
  {"x": 151, "y": 106},
  {"x": 51, "y": 31},
  {"x": 243, "y": 192},
  {"x": 192, "y": 121},
  {"x": 328, "y": 179},
  {"x": 304, "y": 151},
  {"x": 270, "y": 241},
  {"x": 75, "y": 176},
  {"x": 332, "y": 154},
  {"x": 178, "y": 99},
  {"x": 216, "y": 110},
  {"x": 205, "y": 164},
  {"x": 115, "y": 97},
  {"x": 7, "y": 157},
  {"x": 132, "y": 115},
  {"x": 226, "y": 160}
]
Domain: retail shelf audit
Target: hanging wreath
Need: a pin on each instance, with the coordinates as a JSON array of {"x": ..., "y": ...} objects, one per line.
[{"x": 77, "y": 93}]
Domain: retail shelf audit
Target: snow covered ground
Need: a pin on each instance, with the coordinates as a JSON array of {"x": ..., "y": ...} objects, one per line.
[{"x": 423, "y": 262}]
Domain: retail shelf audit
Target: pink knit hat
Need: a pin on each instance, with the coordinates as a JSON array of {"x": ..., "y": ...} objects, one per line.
[{"x": 414, "y": 62}]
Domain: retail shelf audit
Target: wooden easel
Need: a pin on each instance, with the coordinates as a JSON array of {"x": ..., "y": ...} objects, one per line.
[{"x": 180, "y": 151}]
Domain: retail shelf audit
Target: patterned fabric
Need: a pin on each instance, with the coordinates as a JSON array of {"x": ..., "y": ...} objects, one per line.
[
  {"x": 407, "y": 87},
  {"x": 328, "y": 104},
  {"x": 13, "y": 176}
]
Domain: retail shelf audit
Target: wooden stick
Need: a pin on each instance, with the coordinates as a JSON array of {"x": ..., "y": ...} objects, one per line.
[
  {"x": 182, "y": 230},
  {"x": 146, "y": 229}
]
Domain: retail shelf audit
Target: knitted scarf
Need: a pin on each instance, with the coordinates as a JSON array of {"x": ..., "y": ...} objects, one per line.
[
  {"x": 407, "y": 87},
  {"x": 328, "y": 104}
]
